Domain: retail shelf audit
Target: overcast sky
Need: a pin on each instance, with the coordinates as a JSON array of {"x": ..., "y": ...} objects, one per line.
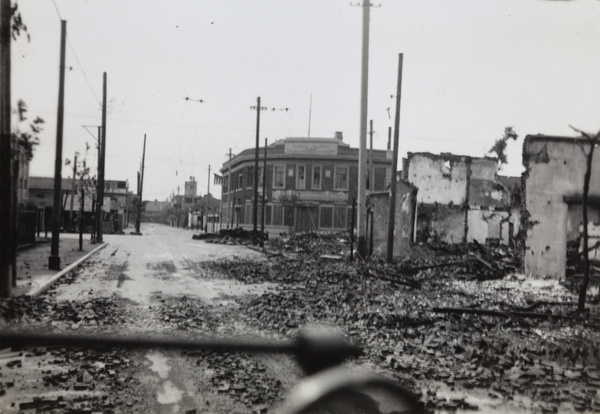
[{"x": 471, "y": 67}]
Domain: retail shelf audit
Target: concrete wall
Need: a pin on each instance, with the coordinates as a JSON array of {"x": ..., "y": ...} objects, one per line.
[
  {"x": 441, "y": 222},
  {"x": 439, "y": 178},
  {"x": 555, "y": 168},
  {"x": 490, "y": 224},
  {"x": 404, "y": 219}
]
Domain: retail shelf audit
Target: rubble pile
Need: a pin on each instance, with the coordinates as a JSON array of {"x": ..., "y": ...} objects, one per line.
[
  {"x": 523, "y": 342},
  {"x": 183, "y": 314},
  {"x": 232, "y": 236},
  {"x": 244, "y": 378},
  {"x": 312, "y": 244},
  {"x": 91, "y": 314}
]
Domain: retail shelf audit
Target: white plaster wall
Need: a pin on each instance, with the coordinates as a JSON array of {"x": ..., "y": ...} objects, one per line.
[
  {"x": 545, "y": 187},
  {"x": 426, "y": 174},
  {"x": 478, "y": 222}
]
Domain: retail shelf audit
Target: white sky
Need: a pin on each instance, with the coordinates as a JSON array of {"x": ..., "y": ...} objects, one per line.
[{"x": 471, "y": 67}]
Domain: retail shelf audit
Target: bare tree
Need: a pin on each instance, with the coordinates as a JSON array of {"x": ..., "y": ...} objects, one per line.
[{"x": 592, "y": 142}]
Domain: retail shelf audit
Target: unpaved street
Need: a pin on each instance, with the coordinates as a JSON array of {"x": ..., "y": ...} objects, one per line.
[{"x": 148, "y": 284}]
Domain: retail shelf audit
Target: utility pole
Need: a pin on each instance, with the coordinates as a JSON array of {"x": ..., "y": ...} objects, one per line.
[
  {"x": 229, "y": 189},
  {"x": 54, "y": 259},
  {"x": 362, "y": 151},
  {"x": 140, "y": 190},
  {"x": 73, "y": 190},
  {"x": 255, "y": 206},
  {"x": 370, "y": 170},
  {"x": 101, "y": 166},
  {"x": 392, "y": 210},
  {"x": 81, "y": 208},
  {"x": 6, "y": 182},
  {"x": 264, "y": 191},
  {"x": 207, "y": 201}
]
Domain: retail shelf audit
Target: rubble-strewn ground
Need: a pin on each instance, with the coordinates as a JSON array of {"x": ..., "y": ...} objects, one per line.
[{"x": 514, "y": 359}]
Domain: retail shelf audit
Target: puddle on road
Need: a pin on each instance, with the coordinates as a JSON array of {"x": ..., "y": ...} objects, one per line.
[
  {"x": 159, "y": 365},
  {"x": 167, "y": 392}
]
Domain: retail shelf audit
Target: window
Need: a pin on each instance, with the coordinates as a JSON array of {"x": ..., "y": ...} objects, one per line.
[
  {"x": 316, "y": 177},
  {"x": 250, "y": 179},
  {"x": 248, "y": 218},
  {"x": 326, "y": 217},
  {"x": 340, "y": 179},
  {"x": 379, "y": 179},
  {"x": 268, "y": 215},
  {"x": 288, "y": 216},
  {"x": 340, "y": 217},
  {"x": 261, "y": 176},
  {"x": 240, "y": 180},
  {"x": 301, "y": 177},
  {"x": 279, "y": 176},
  {"x": 277, "y": 215}
]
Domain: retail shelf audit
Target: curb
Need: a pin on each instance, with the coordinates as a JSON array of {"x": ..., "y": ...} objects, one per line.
[{"x": 41, "y": 289}]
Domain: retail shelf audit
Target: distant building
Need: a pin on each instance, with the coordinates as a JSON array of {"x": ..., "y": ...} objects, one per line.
[
  {"x": 310, "y": 185},
  {"x": 41, "y": 197}
]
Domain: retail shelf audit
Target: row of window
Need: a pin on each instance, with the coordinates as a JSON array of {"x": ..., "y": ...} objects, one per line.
[
  {"x": 303, "y": 218},
  {"x": 304, "y": 181}
]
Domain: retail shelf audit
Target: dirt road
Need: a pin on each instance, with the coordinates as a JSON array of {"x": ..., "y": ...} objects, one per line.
[{"x": 148, "y": 284}]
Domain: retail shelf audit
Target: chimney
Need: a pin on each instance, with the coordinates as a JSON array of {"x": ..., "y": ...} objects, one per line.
[{"x": 338, "y": 135}]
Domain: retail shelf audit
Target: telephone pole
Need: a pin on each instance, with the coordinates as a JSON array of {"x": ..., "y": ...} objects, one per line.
[
  {"x": 140, "y": 189},
  {"x": 229, "y": 189},
  {"x": 207, "y": 202},
  {"x": 264, "y": 191},
  {"x": 102, "y": 137},
  {"x": 255, "y": 204},
  {"x": 392, "y": 210},
  {"x": 73, "y": 190},
  {"x": 6, "y": 213},
  {"x": 54, "y": 259},
  {"x": 361, "y": 227}
]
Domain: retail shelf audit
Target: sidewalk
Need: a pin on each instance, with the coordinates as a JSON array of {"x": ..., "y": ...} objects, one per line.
[{"x": 32, "y": 262}]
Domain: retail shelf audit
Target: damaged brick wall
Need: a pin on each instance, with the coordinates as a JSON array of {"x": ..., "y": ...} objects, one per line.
[{"x": 555, "y": 168}]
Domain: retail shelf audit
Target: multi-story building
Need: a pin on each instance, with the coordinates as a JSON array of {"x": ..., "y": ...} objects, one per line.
[{"x": 311, "y": 184}]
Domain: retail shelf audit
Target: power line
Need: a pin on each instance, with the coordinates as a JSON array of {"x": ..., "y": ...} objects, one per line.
[{"x": 87, "y": 81}]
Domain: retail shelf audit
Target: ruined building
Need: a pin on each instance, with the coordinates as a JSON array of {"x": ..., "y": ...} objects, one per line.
[
  {"x": 460, "y": 199},
  {"x": 552, "y": 205}
]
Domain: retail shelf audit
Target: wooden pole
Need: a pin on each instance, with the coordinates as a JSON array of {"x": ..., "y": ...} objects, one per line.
[
  {"x": 102, "y": 162},
  {"x": 392, "y": 209},
  {"x": 73, "y": 192},
  {"x": 54, "y": 259},
  {"x": 362, "y": 151},
  {"x": 140, "y": 190},
  {"x": 255, "y": 207},
  {"x": 264, "y": 191},
  {"x": 229, "y": 189}
]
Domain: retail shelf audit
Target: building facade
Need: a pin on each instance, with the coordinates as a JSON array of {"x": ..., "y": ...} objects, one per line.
[{"x": 310, "y": 185}]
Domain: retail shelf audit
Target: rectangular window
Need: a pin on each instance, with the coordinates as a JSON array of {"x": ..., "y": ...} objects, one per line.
[
  {"x": 250, "y": 179},
  {"x": 268, "y": 215},
  {"x": 340, "y": 220},
  {"x": 326, "y": 217},
  {"x": 288, "y": 216},
  {"x": 316, "y": 177},
  {"x": 340, "y": 179},
  {"x": 261, "y": 176},
  {"x": 379, "y": 179},
  {"x": 240, "y": 180},
  {"x": 277, "y": 215},
  {"x": 301, "y": 177},
  {"x": 248, "y": 214},
  {"x": 279, "y": 176}
]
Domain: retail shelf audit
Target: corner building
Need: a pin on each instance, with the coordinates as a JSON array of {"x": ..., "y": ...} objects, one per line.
[{"x": 311, "y": 184}]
